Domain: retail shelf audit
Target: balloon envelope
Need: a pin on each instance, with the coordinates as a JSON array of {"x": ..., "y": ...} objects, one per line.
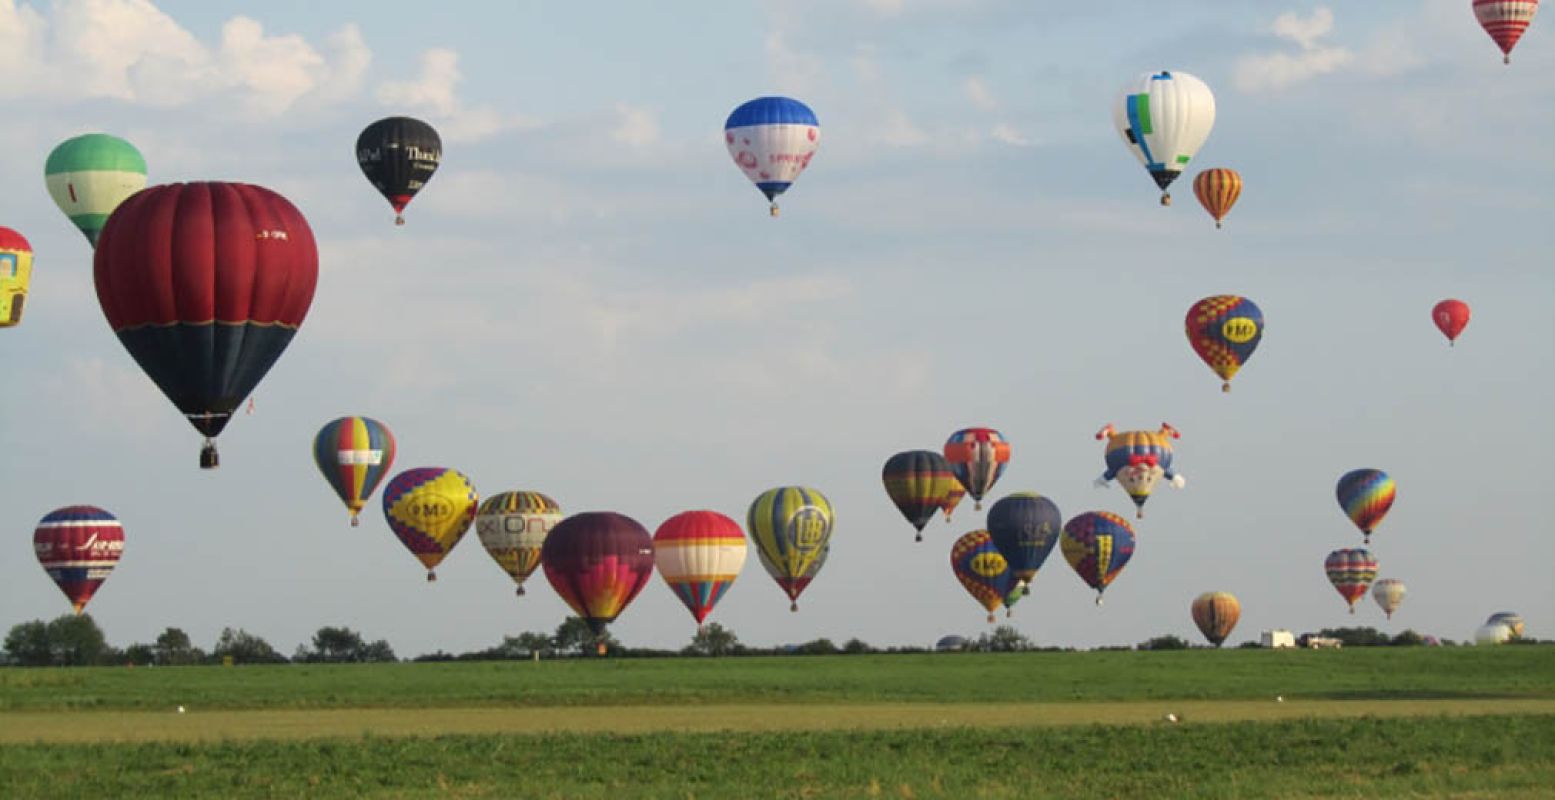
[
  {"x": 1389, "y": 594},
  {"x": 1365, "y": 495},
  {"x": 791, "y": 527},
  {"x": 1224, "y": 330},
  {"x": 398, "y": 155},
  {"x": 1505, "y": 21},
  {"x": 15, "y": 275},
  {"x": 1138, "y": 460},
  {"x": 1511, "y": 619},
  {"x": 1025, "y": 526},
  {"x": 978, "y": 457},
  {"x": 1097, "y": 545},
  {"x": 918, "y": 481},
  {"x": 430, "y": 509},
  {"x": 354, "y": 454},
  {"x": 1451, "y": 317},
  {"x": 205, "y": 285},
  {"x": 983, "y": 570},
  {"x": 512, "y": 526},
  {"x": 90, "y": 175},
  {"x": 1216, "y": 614},
  {"x": 1351, "y": 570},
  {"x": 1164, "y": 118},
  {"x": 699, "y": 554},
  {"x": 598, "y": 561},
  {"x": 1217, "y": 190},
  {"x": 772, "y": 140},
  {"x": 78, "y": 547}
]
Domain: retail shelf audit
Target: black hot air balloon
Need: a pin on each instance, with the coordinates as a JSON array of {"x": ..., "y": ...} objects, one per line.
[
  {"x": 205, "y": 284},
  {"x": 399, "y": 155}
]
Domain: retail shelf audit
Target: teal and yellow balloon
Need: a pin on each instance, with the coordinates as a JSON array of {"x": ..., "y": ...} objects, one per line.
[
  {"x": 791, "y": 527},
  {"x": 354, "y": 454},
  {"x": 90, "y": 175}
]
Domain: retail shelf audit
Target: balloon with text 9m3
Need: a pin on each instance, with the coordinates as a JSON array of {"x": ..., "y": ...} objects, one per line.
[
  {"x": 206, "y": 284},
  {"x": 78, "y": 547}
]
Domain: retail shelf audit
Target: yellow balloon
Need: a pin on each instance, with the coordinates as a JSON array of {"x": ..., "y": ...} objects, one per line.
[{"x": 430, "y": 509}]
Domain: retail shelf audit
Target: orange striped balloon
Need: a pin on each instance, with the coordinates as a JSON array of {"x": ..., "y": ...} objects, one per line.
[{"x": 1217, "y": 190}]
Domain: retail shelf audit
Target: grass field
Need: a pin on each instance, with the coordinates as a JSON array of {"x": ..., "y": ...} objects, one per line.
[{"x": 1385, "y": 722}]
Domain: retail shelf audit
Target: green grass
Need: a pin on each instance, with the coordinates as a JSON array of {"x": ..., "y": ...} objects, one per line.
[
  {"x": 1505, "y": 756},
  {"x": 1357, "y": 673}
]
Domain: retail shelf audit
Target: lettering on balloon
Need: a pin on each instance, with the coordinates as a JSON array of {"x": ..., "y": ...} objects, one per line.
[
  {"x": 989, "y": 565},
  {"x": 1239, "y": 330}
]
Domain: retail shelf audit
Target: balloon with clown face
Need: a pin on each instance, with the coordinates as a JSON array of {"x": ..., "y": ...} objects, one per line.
[{"x": 1138, "y": 459}]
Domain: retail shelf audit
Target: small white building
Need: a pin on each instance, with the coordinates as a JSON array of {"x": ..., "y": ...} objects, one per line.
[{"x": 1279, "y": 637}]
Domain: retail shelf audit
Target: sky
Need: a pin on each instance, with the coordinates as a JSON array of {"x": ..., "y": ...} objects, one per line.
[{"x": 591, "y": 301}]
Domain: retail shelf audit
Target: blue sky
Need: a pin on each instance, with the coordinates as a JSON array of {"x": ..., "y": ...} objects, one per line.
[{"x": 590, "y": 301}]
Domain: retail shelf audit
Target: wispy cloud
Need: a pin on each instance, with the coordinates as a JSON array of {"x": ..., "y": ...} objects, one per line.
[
  {"x": 1277, "y": 70},
  {"x": 434, "y": 91}
]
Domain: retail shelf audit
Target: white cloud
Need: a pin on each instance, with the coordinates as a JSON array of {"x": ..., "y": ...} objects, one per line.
[
  {"x": 638, "y": 127},
  {"x": 435, "y": 92},
  {"x": 885, "y": 7},
  {"x": 130, "y": 50},
  {"x": 1281, "y": 69},
  {"x": 979, "y": 94},
  {"x": 1009, "y": 135},
  {"x": 898, "y": 130}
]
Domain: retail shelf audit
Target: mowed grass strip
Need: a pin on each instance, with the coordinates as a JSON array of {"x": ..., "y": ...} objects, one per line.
[
  {"x": 229, "y": 725},
  {"x": 1357, "y": 673},
  {"x": 1489, "y": 756}
]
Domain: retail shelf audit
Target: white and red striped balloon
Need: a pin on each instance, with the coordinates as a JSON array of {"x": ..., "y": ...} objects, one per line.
[{"x": 1505, "y": 21}]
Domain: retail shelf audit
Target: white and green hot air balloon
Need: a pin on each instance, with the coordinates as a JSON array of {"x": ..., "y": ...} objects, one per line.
[
  {"x": 90, "y": 175},
  {"x": 1164, "y": 118}
]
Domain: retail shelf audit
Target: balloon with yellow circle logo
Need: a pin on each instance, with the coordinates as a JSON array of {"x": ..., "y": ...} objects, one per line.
[
  {"x": 430, "y": 509},
  {"x": 984, "y": 571},
  {"x": 1225, "y": 330}
]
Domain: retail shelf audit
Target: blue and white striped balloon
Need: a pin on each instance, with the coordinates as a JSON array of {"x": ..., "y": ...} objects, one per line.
[{"x": 772, "y": 140}]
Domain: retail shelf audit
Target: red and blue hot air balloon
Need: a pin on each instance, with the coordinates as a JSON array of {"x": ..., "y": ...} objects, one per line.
[
  {"x": 984, "y": 571},
  {"x": 1225, "y": 330},
  {"x": 1097, "y": 544},
  {"x": 1365, "y": 495},
  {"x": 1025, "y": 526},
  {"x": 206, "y": 284},
  {"x": 354, "y": 454},
  {"x": 1138, "y": 459},
  {"x": 78, "y": 547},
  {"x": 978, "y": 457},
  {"x": 772, "y": 140}
]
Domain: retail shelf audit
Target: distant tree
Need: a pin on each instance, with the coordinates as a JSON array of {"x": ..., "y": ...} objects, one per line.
[
  {"x": 1003, "y": 639},
  {"x": 336, "y": 645},
  {"x": 378, "y": 652},
  {"x": 245, "y": 648},
  {"x": 856, "y": 646},
  {"x": 1407, "y": 638},
  {"x": 75, "y": 641},
  {"x": 574, "y": 636},
  {"x": 437, "y": 656},
  {"x": 173, "y": 649},
  {"x": 27, "y": 645},
  {"x": 140, "y": 654},
  {"x": 1356, "y": 637},
  {"x": 1167, "y": 642},
  {"x": 712, "y": 639},
  {"x": 817, "y": 647},
  {"x": 1250, "y": 644},
  {"x": 530, "y": 642}
]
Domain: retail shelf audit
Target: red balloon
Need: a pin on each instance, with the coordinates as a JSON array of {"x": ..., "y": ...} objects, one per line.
[
  {"x": 598, "y": 561},
  {"x": 1451, "y": 317},
  {"x": 206, "y": 284},
  {"x": 78, "y": 546}
]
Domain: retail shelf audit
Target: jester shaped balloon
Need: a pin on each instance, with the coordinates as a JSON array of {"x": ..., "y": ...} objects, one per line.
[{"x": 1138, "y": 459}]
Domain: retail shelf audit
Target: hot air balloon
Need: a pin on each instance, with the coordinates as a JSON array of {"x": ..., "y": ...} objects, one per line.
[
  {"x": 1097, "y": 544},
  {"x": 1389, "y": 593},
  {"x": 1451, "y": 317},
  {"x": 206, "y": 284},
  {"x": 1492, "y": 634},
  {"x": 1511, "y": 619},
  {"x": 791, "y": 527},
  {"x": 1224, "y": 330},
  {"x": 1164, "y": 118},
  {"x": 772, "y": 140},
  {"x": 1351, "y": 571},
  {"x": 598, "y": 561},
  {"x": 354, "y": 454},
  {"x": 15, "y": 274},
  {"x": 1217, "y": 190},
  {"x": 1138, "y": 459},
  {"x": 1024, "y": 527},
  {"x": 953, "y": 498},
  {"x": 699, "y": 554},
  {"x": 90, "y": 175},
  {"x": 918, "y": 482},
  {"x": 399, "y": 155},
  {"x": 1505, "y": 21},
  {"x": 512, "y": 526},
  {"x": 78, "y": 547},
  {"x": 978, "y": 457},
  {"x": 430, "y": 509},
  {"x": 1365, "y": 495},
  {"x": 1216, "y": 613},
  {"x": 983, "y": 570}
]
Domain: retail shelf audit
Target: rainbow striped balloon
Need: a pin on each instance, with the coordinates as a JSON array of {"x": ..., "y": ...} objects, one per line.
[
  {"x": 1351, "y": 571},
  {"x": 354, "y": 454},
  {"x": 1365, "y": 495}
]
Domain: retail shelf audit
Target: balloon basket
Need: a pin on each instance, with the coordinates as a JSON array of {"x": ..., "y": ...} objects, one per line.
[
  {"x": 1352, "y": 609},
  {"x": 399, "y": 220},
  {"x": 431, "y": 576},
  {"x": 793, "y": 607},
  {"x": 919, "y": 537},
  {"x": 1217, "y": 224},
  {"x": 1098, "y": 600},
  {"x": 990, "y": 619},
  {"x": 355, "y": 523},
  {"x": 1225, "y": 388},
  {"x": 209, "y": 458},
  {"x": 1166, "y": 199},
  {"x": 773, "y": 211},
  {"x": 520, "y": 591}
]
